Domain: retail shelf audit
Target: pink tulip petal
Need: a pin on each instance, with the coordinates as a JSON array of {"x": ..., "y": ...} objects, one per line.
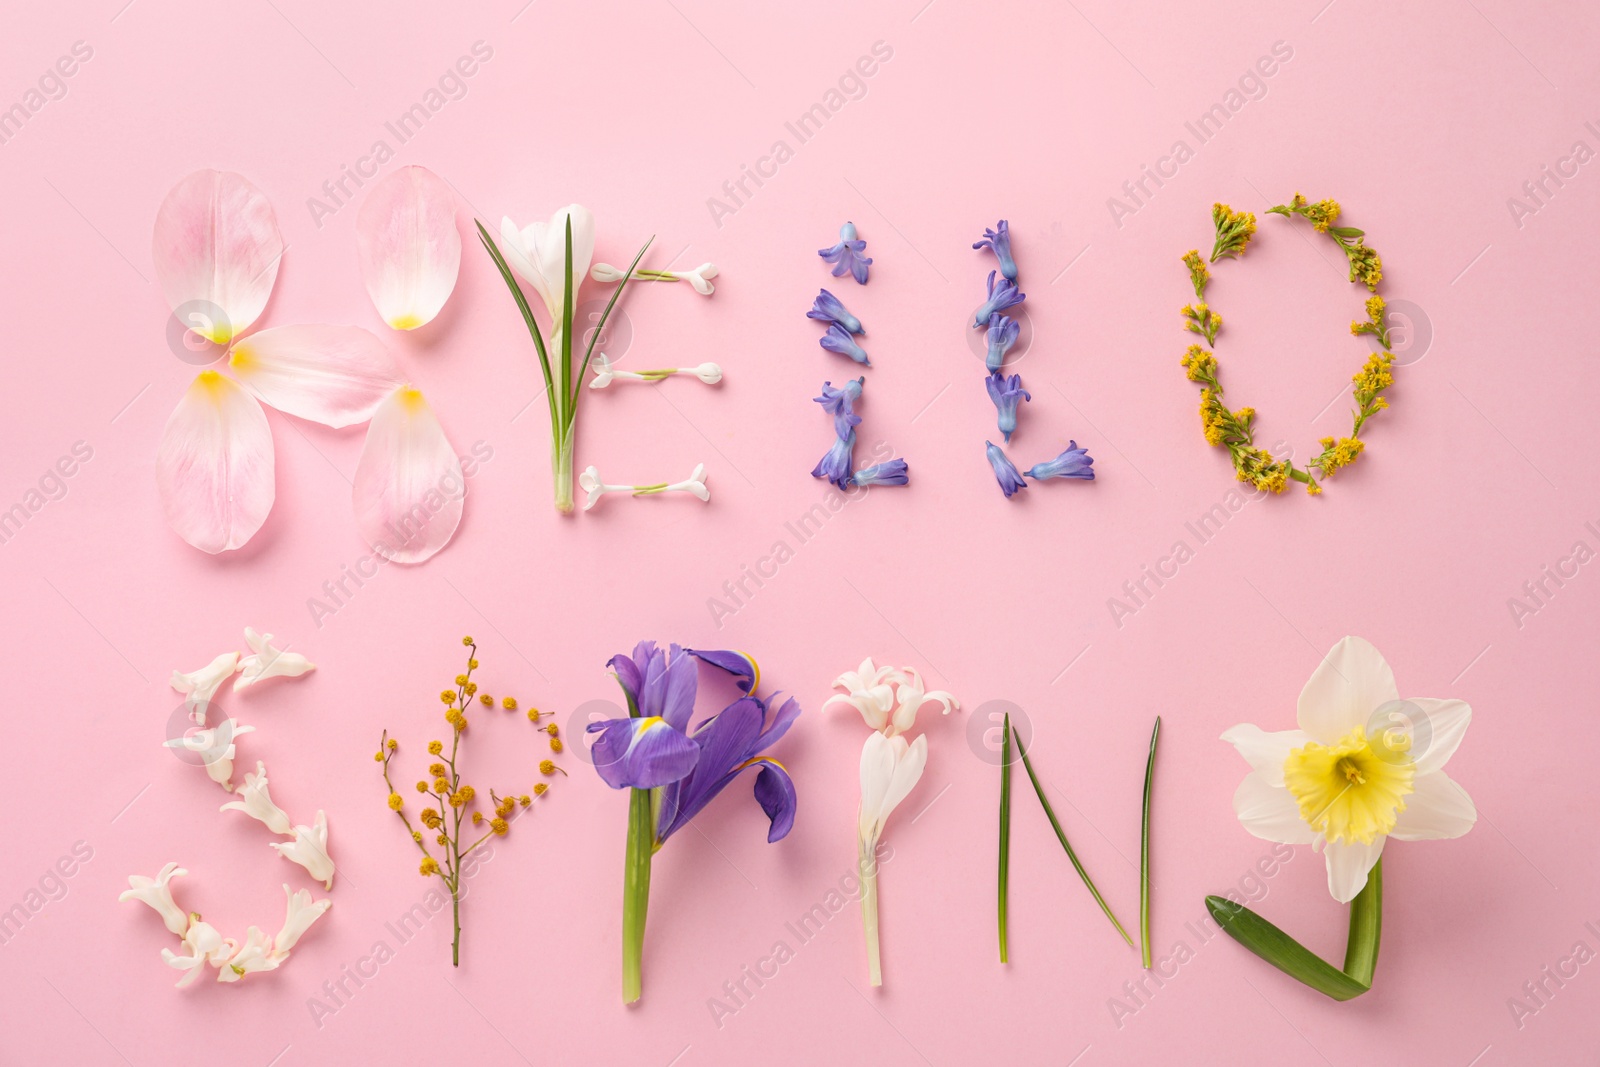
[
  {"x": 409, "y": 487},
  {"x": 216, "y": 250},
  {"x": 335, "y": 375},
  {"x": 409, "y": 245},
  {"x": 214, "y": 466}
]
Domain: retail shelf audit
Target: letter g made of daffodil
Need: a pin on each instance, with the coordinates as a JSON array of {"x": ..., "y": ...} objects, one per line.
[
  {"x": 674, "y": 769},
  {"x": 1364, "y": 766}
]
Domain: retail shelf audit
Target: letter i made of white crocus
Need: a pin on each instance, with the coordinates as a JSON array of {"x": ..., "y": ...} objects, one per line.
[{"x": 888, "y": 699}]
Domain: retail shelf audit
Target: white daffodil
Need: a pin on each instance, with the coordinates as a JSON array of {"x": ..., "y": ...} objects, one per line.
[
  {"x": 606, "y": 372},
  {"x": 1364, "y": 766},
  {"x": 890, "y": 769},
  {"x": 252, "y": 956},
  {"x": 268, "y": 661},
  {"x": 215, "y": 748},
  {"x": 700, "y": 277},
  {"x": 870, "y": 690},
  {"x": 593, "y": 485},
  {"x": 310, "y": 849},
  {"x": 302, "y": 912},
  {"x": 538, "y": 253},
  {"x": 200, "y": 686},
  {"x": 256, "y": 802},
  {"x": 157, "y": 893}
]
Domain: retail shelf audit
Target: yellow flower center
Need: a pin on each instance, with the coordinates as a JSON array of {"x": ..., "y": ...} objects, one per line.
[{"x": 1352, "y": 790}]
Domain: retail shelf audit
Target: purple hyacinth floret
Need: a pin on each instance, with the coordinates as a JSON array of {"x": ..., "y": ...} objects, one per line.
[
  {"x": 836, "y": 466},
  {"x": 838, "y": 403},
  {"x": 893, "y": 472},
  {"x": 1075, "y": 462},
  {"x": 998, "y": 241},
  {"x": 846, "y": 256},
  {"x": 1007, "y": 393},
  {"x": 1002, "y": 294},
  {"x": 828, "y": 308},
  {"x": 1005, "y": 472},
  {"x": 1001, "y": 336},
  {"x": 838, "y": 339}
]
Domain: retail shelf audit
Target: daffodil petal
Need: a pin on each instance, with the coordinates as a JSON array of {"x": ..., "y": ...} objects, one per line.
[
  {"x": 409, "y": 246},
  {"x": 217, "y": 244},
  {"x": 335, "y": 375},
  {"x": 1352, "y": 681},
  {"x": 1269, "y": 812},
  {"x": 1446, "y": 721},
  {"x": 1437, "y": 809},
  {"x": 1349, "y": 865},
  {"x": 214, "y": 466},
  {"x": 1265, "y": 752},
  {"x": 409, "y": 487}
]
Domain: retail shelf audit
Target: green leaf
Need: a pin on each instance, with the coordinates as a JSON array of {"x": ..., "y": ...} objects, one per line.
[
  {"x": 1005, "y": 830},
  {"x": 1144, "y": 850},
  {"x": 566, "y": 333},
  {"x": 1061, "y": 835},
  {"x": 527, "y": 318},
  {"x": 1346, "y": 231}
]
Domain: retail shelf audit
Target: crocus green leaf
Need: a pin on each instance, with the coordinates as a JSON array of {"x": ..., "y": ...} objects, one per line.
[
  {"x": 1144, "y": 849},
  {"x": 1005, "y": 830}
]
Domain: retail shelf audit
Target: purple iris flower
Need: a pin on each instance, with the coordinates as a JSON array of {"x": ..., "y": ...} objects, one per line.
[
  {"x": 692, "y": 765},
  {"x": 838, "y": 403},
  {"x": 1001, "y": 336},
  {"x": 894, "y": 472},
  {"x": 828, "y": 308},
  {"x": 835, "y": 466},
  {"x": 846, "y": 255},
  {"x": 1005, "y": 472},
  {"x": 1075, "y": 462},
  {"x": 1007, "y": 393},
  {"x": 998, "y": 241},
  {"x": 1002, "y": 295},
  {"x": 838, "y": 339}
]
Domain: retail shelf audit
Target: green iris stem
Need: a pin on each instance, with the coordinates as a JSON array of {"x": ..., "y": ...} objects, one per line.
[
  {"x": 1005, "y": 834},
  {"x": 1299, "y": 962},
  {"x": 1144, "y": 849},
  {"x": 636, "y": 891},
  {"x": 1061, "y": 835}
]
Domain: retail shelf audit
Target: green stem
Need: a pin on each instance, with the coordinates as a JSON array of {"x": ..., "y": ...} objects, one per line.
[
  {"x": 1005, "y": 832},
  {"x": 455, "y": 945},
  {"x": 636, "y": 892},
  {"x": 561, "y": 469},
  {"x": 1061, "y": 834},
  {"x": 1144, "y": 850},
  {"x": 867, "y": 864},
  {"x": 1299, "y": 962}
]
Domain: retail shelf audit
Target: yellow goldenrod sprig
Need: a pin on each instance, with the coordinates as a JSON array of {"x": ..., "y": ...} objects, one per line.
[
  {"x": 1234, "y": 230},
  {"x": 449, "y": 798},
  {"x": 1200, "y": 319},
  {"x": 1365, "y": 265},
  {"x": 1199, "y": 276}
]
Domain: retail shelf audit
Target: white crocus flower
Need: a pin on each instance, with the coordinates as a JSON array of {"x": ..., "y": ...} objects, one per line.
[
  {"x": 200, "y": 686},
  {"x": 1364, "y": 766},
  {"x": 157, "y": 892},
  {"x": 909, "y": 698},
  {"x": 310, "y": 849},
  {"x": 538, "y": 253},
  {"x": 256, "y": 802},
  {"x": 700, "y": 277},
  {"x": 592, "y": 484},
  {"x": 252, "y": 956},
  {"x": 301, "y": 913},
  {"x": 215, "y": 748},
  {"x": 890, "y": 769},
  {"x": 268, "y": 661},
  {"x": 606, "y": 372}
]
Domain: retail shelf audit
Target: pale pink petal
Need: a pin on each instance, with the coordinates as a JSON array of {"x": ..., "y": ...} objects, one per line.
[
  {"x": 1269, "y": 812},
  {"x": 216, "y": 251},
  {"x": 409, "y": 486},
  {"x": 335, "y": 375},
  {"x": 409, "y": 246},
  {"x": 214, "y": 466},
  {"x": 1352, "y": 681}
]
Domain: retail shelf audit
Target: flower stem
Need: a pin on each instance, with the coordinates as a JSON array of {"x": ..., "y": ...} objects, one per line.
[
  {"x": 867, "y": 862},
  {"x": 455, "y": 945},
  {"x": 561, "y": 468},
  {"x": 1144, "y": 850},
  {"x": 636, "y": 892},
  {"x": 1366, "y": 927},
  {"x": 1005, "y": 831}
]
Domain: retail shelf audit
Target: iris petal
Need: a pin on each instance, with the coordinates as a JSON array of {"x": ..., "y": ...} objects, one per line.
[
  {"x": 775, "y": 793},
  {"x": 641, "y": 753},
  {"x": 738, "y": 664}
]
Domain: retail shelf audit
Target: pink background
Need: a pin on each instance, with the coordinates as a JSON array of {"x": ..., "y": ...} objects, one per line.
[{"x": 1422, "y": 119}]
